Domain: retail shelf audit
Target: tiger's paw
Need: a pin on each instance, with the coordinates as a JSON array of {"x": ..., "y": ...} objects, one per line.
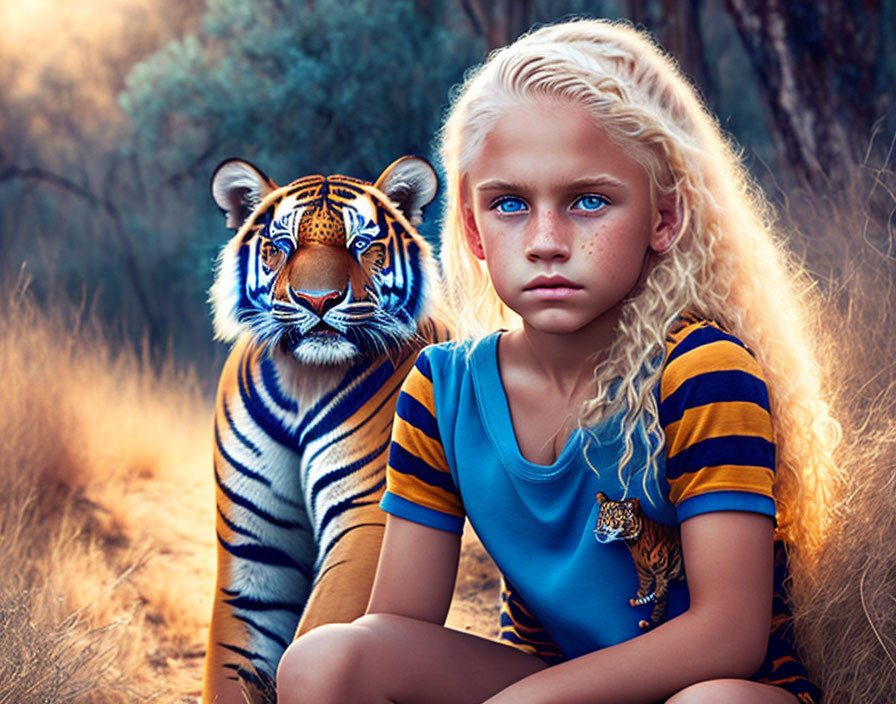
[{"x": 641, "y": 600}]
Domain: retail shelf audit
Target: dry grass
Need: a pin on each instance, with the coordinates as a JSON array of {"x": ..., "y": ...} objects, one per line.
[
  {"x": 846, "y": 610},
  {"x": 107, "y": 523}
]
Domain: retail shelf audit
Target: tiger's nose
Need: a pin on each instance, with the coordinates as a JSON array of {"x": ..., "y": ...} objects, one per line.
[{"x": 317, "y": 301}]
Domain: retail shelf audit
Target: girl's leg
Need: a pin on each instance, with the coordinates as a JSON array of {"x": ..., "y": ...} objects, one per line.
[
  {"x": 388, "y": 659},
  {"x": 732, "y": 692}
]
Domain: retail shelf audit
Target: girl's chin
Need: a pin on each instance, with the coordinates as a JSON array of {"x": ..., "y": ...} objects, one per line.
[
  {"x": 557, "y": 326},
  {"x": 571, "y": 323}
]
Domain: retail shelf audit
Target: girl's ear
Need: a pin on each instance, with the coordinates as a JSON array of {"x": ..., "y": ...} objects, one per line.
[
  {"x": 667, "y": 223},
  {"x": 472, "y": 232}
]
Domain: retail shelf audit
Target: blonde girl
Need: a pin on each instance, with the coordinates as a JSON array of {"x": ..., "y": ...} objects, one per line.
[{"x": 630, "y": 419}]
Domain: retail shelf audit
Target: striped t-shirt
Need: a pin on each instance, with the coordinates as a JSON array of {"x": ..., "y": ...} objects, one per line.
[{"x": 454, "y": 456}]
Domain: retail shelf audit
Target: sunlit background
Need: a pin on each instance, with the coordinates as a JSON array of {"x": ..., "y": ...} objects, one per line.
[{"x": 113, "y": 115}]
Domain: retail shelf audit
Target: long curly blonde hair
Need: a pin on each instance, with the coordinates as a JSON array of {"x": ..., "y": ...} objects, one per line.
[{"x": 726, "y": 263}]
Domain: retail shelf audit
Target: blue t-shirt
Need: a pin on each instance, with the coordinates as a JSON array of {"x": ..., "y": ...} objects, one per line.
[{"x": 454, "y": 455}]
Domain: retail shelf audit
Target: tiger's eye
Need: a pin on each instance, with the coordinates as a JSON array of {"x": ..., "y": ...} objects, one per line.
[{"x": 272, "y": 256}]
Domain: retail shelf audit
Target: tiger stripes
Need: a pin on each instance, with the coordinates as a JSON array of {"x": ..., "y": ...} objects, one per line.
[
  {"x": 323, "y": 290},
  {"x": 520, "y": 627}
]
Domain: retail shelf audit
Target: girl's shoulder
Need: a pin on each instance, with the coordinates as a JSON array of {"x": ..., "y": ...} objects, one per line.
[
  {"x": 456, "y": 356},
  {"x": 697, "y": 346},
  {"x": 458, "y": 350},
  {"x": 690, "y": 331}
]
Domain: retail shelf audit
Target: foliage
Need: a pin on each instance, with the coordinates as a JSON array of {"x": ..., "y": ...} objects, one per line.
[{"x": 329, "y": 86}]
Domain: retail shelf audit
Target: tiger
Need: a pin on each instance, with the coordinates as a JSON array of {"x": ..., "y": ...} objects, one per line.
[
  {"x": 327, "y": 292},
  {"x": 655, "y": 549}
]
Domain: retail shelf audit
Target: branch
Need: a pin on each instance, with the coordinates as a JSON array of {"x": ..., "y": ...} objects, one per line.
[{"x": 10, "y": 171}]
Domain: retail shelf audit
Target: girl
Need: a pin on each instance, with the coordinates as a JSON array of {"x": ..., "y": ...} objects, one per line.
[{"x": 616, "y": 445}]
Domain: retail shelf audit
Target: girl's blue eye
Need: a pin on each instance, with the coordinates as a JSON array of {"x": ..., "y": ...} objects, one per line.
[
  {"x": 590, "y": 203},
  {"x": 509, "y": 204}
]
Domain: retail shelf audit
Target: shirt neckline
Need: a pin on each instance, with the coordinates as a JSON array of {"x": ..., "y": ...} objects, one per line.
[{"x": 491, "y": 399}]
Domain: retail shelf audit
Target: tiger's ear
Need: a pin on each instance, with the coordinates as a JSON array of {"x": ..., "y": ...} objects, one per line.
[
  {"x": 411, "y": 183},
  {"x": 238, "y": 188}
]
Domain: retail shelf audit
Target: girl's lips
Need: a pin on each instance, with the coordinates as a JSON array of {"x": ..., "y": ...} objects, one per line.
[
  {"x": 553, "y": 293},
  {"x": 552, "y": 284}
]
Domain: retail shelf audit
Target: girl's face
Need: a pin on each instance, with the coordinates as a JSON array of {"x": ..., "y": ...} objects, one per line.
[{"x": 561, "y": 215}]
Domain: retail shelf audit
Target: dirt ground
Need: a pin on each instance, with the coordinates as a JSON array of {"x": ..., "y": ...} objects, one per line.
[{"x": 176, "y": 522}]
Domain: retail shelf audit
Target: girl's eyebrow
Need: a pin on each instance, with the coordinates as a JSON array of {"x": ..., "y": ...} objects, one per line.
[
  {"x": 495, "y": 185},
  {"x": 602, "y": 181}
]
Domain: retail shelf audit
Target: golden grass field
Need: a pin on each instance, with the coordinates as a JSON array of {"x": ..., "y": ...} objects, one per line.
[{"x": 107, "y": 522}]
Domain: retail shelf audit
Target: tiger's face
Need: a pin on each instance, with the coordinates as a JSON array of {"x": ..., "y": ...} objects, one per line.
[
  {"x": 617, "y": 520},
  {"x": 326, "y": 268}
]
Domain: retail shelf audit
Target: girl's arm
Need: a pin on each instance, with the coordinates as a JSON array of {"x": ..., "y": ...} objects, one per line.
[
  {"x": 724, "y": 633},
  {"x": 416, "y": 571}
]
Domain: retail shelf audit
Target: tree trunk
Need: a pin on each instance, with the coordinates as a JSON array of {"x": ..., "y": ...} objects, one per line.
[
  {"x": 819, "y": 65},
  {"x": 681, "y": 35},
  {"x": 500, "y": 21},
  {"x": 10, "y": 171}
]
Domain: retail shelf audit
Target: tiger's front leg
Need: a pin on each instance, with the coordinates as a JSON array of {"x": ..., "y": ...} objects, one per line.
[
  {"x": 266, "y": 547},
  {"x": 345, "y": 578},
  {"x": 645, "y": 586},
  {"x": 344, "y": 508},
  {"x": 658, "y": 615},
  {"x": 260, "y": 594}
]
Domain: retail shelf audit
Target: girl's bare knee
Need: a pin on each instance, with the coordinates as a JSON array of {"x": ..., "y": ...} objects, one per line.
[
  {"x": 700, "y": 693},
  {"x": 732, "y": 690},
  {"x": 321, "y": 666},
  {"x": 379, "y": 624}
]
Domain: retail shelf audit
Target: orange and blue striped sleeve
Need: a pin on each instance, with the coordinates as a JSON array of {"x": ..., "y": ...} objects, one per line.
[
  {"x": 419, "y": 485},
  {"x": 714, "y": 409}
]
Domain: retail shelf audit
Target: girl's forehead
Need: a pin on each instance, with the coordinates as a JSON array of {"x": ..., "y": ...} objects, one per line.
[
  {"x": 538, "y": 109},
  {"x": 544, "y": 140}
]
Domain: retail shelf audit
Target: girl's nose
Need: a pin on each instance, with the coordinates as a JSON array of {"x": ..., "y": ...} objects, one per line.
[{"x": 548, "y": 239}]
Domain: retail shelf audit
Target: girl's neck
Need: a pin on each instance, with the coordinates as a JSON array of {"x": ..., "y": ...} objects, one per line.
[
  {"x": 546, "y": 378},
  {"x": 564, "y": 361}
]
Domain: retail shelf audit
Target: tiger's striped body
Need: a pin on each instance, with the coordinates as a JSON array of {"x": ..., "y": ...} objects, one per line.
[
  {"x": 655, "y": 549},
  {"x": 323, "y": 290}
]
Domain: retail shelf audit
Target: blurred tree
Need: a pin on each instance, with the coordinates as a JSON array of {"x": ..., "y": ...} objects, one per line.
[
  {"x": 298, "y": 86},
  {"x": 499, "y": 22},
  {"x": 102, "y": 207},
  {"x": 65, "y": 204},
  {"x": 827, "y": 70}
]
